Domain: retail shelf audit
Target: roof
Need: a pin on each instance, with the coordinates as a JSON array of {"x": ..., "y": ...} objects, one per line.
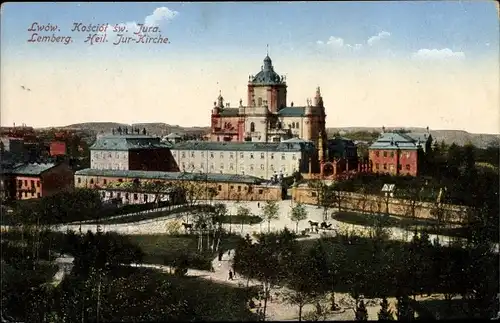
[
  {"x": 32, "y": 169},
  {"x": 267, "y": 76},
  {"x": 127, "y": 142},
  {"x": 292, "y": 112},
  {"x": 395, "y": 140},
  {"x": 284, "y": 146},
  {"x": 172, "y": 176},
  {"x": 172, "y": 136}
]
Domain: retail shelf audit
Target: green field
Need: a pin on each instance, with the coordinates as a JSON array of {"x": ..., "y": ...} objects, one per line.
[
  {"x": 168, "y": 249},
  {"x": 151, "y": 215},
  {"x": 370, "y": 220}
]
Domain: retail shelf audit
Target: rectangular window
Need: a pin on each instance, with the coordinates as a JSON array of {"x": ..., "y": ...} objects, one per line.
[
  {"x": 377, "y": 166},
  {"x": 261, "y": 191},
  {"x": 119, "y": 195},
  {"x": 145, "y": 198},
  {"x": 25, "y": 182},
  {"x": 220, "y": 187},
  {"x": 251, "y": 155},
  {"x": 211, "y": 155},
  {"x": 221, "y": 155},
  {"x": 20, "y": 183},
  {"x": 313, "y": 194},
  {"x": 37, "y": 183},
  {"x": 183, "y": 154},
  {"x": 392, "y": 154},
  {"x": 105, "y": 181},
  {"x": 135, "y": 197},
  {"x": 251, "y": 167},
  {"x": 120, "y": 180},
  {"x": 126, "y": 196},
  {"x": 283, "y": 157},
  {"x": 192, "y": 154},
  {"x": 231, "y": 167},
  {"x": 239, "y": 188},
  {"x": 221, "y": 166},
  {"x": 250, "y": 189},
  {"x": 111, "y": 194},
  {"x": 294, "y": 157},
  {"x": 262, "y": 166},
  {"x": 385, "y": 166},
  {"x": 241, "y": 155},
  {"x": 407, "y": 166},
  {"x": 272, "y": 166},
  {"x": 32, "y": 183},
  {"x": 231, "y": 187},
  {"x": 212, "y": 167},
  {"x": 231, "y": 155},
  {"x": 202, "y": 154},
  {"x": 272, "y": 156},
  {"x": 385, "y": 153},
  {"x": 261, "y": 155}
]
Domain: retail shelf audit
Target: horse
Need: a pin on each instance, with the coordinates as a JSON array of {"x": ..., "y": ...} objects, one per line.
[{"x": 313, "y": 224}]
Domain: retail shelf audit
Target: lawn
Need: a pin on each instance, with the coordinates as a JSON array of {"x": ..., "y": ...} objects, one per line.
[
  {"x": 151, "y": 215},
  {"x": 369, "y": 220},
  {"x": 167, "y": 249},
  {"x": 237, "y": 219}
]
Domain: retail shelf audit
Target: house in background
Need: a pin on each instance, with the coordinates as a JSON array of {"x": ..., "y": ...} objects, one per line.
[
  {"x": 39, "y": 180},
  {"x": 400, "y": 153}
]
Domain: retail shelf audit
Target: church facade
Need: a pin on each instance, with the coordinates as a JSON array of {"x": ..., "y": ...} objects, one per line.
[{"x": 266, "y": 117}]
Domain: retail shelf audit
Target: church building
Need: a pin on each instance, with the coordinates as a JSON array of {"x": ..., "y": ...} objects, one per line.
[{"x": 267, "y": 117}]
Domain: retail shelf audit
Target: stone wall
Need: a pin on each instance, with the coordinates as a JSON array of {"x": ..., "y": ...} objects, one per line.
[{"x": 381, "y": 204}]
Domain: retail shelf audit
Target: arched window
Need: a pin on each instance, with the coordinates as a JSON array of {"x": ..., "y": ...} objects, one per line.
[
  {"x": 252, "y": 127},
  {"x": 296, "y": 125}
]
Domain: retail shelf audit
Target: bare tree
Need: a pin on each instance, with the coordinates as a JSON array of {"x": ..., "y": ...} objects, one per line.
[
  {"x": 318, "y": 189},
  {"x": 243, "y": 212}
]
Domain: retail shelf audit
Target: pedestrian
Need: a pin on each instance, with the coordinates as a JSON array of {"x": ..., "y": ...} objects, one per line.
[
  {"x": 234, "y": 272},
  {"x": 258, "y": 205},
  {"x": 220, "y": 255},
  {"x": 229, "y": 253},
  {"x": 230, "y": 275}
]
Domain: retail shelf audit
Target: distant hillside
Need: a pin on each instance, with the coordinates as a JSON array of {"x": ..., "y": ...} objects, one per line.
[
  {"x": 458, "y": 137},
  {"x": 159, "y": 129}
]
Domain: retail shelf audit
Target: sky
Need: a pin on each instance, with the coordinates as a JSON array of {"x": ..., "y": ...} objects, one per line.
[{"x": 392, "y": 64}]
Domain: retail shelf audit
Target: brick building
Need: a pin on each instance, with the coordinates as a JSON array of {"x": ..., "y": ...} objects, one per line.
[
  {"x": 226, "y": 186},
  {"x": 27, "y": 181},
  {"x": 131, "y": 152},
  {"x": 399, "y": 153}
]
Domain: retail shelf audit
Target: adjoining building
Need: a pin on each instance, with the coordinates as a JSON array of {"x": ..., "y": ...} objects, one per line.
[
  {"x": 267, "y": 117},
  {"x": 131, "y": 152},
  {"x": 264, "y": 160},
  {"x": 28, "y": 181},
  {"x": 204, "y": 186},
  {"x": 400, "y": 153}
]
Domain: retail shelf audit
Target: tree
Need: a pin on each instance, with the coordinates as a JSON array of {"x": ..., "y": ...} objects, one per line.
[
  {"x": 270, "y": 211},
  {"x": 385, "y": 313},
  {"x": 405, "y": 311},
  {"x": 159, "y": 189},
  {"x": 361, "y": 312},
  {"x": 303, "y": 285},
  {"x": 243, "y": 212},
  {"x": 318, "y": 189},
  {"x": 219, "y": 214},
  {"x": 298, "y": 213}
]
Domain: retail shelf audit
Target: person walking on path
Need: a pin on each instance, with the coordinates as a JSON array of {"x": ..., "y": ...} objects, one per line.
[{"x": 230, "y": 275}]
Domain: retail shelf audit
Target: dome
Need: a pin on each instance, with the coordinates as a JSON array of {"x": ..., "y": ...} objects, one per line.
[{"x": 267, "y": 75}]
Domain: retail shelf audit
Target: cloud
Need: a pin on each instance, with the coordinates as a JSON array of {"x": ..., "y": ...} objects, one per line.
[
  {"x": 375, "y": 39},
  {"x": 338, "y": 43},
  {"x": 438, "y": 54},
  {"x": 159, "y": 15}
]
